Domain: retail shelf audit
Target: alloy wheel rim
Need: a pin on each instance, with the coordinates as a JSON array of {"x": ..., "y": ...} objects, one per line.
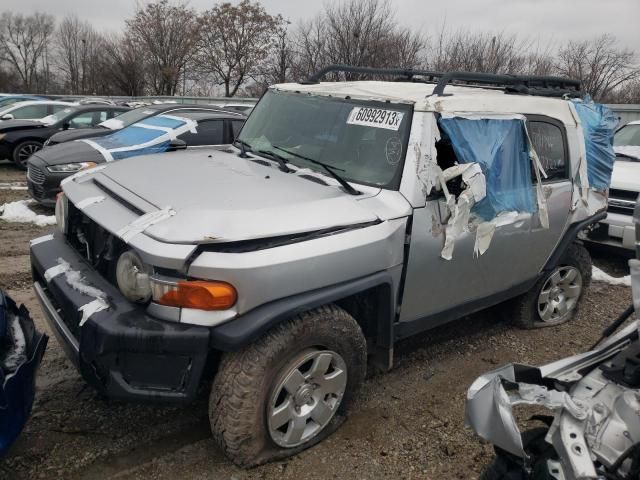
[
  {"x": 559, "y": 295},
  {"x": 26, "y": 151},
  {"x": 306, "y": 397}
]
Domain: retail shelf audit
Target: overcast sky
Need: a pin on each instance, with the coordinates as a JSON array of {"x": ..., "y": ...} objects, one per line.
[{"x": 550, "y": 20}]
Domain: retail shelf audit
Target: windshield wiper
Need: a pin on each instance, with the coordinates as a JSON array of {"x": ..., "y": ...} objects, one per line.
[
  {"x": 330, "y": 169},
  {"x": 244, "y": 148},
  {"x": 278, "y": 158}
]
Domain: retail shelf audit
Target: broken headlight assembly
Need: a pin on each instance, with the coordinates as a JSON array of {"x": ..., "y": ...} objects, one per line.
[
  {"x": 71, "y": 167},
  {"x": 138, "y": 284}
]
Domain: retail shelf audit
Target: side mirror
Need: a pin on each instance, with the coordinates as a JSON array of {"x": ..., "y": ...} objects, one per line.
[
  {"x": 66, "y": 125},
  {"x": 177, "y": 144},
  {"x": 7, "y": 116}
]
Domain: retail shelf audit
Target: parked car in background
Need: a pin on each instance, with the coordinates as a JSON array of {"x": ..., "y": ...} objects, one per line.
[
  {"x": 617, "y": 230},
  {"x": 129, "y": 118},
  {"x": 6, "y": 100},
  {"x": 21, "y": 351},
  {"x": 32, "y": 109},
  {"x": 19, "y": 139},
  {"x": 95, "y": 101},
  {"x": 237, "y": 107},
  {"x": 48, "y": 167}
]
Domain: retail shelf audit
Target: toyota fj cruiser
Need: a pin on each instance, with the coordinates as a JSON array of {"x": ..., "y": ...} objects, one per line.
[{"x": 347, "y": 216}]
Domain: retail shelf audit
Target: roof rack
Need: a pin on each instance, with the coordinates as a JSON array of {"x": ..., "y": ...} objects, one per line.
[{"x": 547, "y": 86}]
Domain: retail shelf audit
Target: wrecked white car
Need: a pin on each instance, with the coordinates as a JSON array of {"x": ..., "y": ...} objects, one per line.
[
  {"x": 594, "y": 432},
  {"x": 348, "y": 216}
]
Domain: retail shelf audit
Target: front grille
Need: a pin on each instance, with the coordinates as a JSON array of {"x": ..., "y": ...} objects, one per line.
[
  {"x": 37, "y": 190},
  {"x": 93, "y": 242},
  {"x": 36, "y": 175},
  {"x": 622, "y": 201}
]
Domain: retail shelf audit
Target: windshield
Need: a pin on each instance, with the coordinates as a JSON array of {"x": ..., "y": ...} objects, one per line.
[
  {"x": 366, "y": 140},
  {"x": 56, "y": 117},
  {"x": 128, "y": 118},
  {"x": 627, "y": 136}
]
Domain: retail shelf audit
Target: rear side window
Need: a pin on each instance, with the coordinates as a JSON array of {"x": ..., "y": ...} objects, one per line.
[
  {"x": 549, "y": 142},
  {"x": 30, "y": 111},
  {"x": 208, "y": 133}
]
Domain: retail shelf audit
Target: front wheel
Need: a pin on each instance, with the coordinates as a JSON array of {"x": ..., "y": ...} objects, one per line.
[
  {"x": 554, "y": 299},
  {"x": 290, "y": 389},
  {"x": 23, "y": 151}
]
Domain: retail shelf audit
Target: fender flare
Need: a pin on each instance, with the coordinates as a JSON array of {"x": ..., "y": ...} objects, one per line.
[
  {"x": 569, "y": 237},
  {"x": 247, "y": 328}
]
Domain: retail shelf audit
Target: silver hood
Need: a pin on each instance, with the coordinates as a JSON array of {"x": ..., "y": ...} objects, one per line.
[{"x": 219, "y": 197}]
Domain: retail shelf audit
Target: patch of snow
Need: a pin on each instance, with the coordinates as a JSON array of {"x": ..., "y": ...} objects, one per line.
[
  {"x": 76, "y": 281},
  {"x": 13, "y": 186},
  {"x": 19, "y": 212},
  {"x": 18, "y": 352},
  {"x": 598, "y": 275}
]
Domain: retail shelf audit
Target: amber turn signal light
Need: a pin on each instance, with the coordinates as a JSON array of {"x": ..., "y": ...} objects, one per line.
[{"x": 199, "y": 294}]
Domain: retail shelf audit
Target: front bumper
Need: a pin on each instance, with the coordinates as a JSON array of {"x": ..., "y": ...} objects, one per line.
[
  {"x": 616, "y": 230},
  {"x": 43, "y": 185},
  {"x": 122, "y": 351}
]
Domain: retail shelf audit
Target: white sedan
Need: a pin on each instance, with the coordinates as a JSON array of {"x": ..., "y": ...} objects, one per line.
[{"x": 33, "y": 109}]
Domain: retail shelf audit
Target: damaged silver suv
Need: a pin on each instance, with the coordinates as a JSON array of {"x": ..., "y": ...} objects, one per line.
[{"x": 347, "y": 216}]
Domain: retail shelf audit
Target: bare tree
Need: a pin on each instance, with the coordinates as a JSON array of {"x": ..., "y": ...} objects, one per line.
[
  {"x": 23, "y": 44},
  {"x": 358, "y": 32},
  {"x": 167, "y": 33},
  {"x": 600, "y": 64},
  {"x": 235, "y": 40},
  {"x": 123, "y": 66},
  {"x": 79, "y": 51}
]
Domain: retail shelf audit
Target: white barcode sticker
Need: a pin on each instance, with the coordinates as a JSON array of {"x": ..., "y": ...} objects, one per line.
[{"x": 375, "y": 117}]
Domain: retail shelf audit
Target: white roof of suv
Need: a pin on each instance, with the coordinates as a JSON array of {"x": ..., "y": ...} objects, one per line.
[{"x": 456, "y": 98}]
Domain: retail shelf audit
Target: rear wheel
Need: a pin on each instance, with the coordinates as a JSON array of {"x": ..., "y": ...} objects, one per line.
[
  {"x": 23, "y": 151},
  {"x": 554, "y": 299},
  {"x": 288, "y": 390}
]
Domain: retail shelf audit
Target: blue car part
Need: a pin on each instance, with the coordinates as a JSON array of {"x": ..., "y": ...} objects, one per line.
[{"x": 21, "y": 350}]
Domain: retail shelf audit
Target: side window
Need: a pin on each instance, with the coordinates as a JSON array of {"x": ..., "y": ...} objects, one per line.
[
  {"x": 236, "y": 126},
  {"x": 57, "y": 108},
  {"x": 84, "y": 120},
  {"x": 549, "y": 143},
  {"x": 30, "y": 111},
  {"x": 208, "y": 133}
]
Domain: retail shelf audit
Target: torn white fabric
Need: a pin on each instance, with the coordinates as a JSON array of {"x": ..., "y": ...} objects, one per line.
[
  {"x": 42, "y": 239},
  {"x": 481, "y": 115},
  {"x": 598, "y": 275},
  {"x": 145, "y": 221},
  {"x": 76, "y": 281},
  {"x": 170, "y": 131},
  {"x": 82, "y": 204},
  {"x": 484, "y": 235},
  {"x": 460, "y": 209},
  {"x": 52, "y": 272},
  {"x": 19, "y": 212},
  {"x": 95, "y": 306}
]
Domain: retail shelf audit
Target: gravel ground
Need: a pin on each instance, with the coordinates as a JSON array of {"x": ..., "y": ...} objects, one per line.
[{"x": 409, "y": 422}]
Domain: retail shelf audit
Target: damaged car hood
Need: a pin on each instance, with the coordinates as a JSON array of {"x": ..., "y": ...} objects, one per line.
[
  {"x": 626, "y": 174},
  {"x": 216, "y": 197}
]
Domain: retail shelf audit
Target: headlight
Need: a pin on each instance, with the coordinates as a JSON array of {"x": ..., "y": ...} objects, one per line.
[
  {"x": 198, "y": 294},
  {"x": 132, "y": 275},
  {"x": 62, "y": 207},
  {"x": 71, "y": 167}
]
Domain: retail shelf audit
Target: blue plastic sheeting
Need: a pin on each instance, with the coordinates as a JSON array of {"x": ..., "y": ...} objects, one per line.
[
  {"x": 139, "y": 140},
  {"x": 598, "y": 126},
  {"x": 17, "y": 389},
  {"x": 501, "y": 149}
]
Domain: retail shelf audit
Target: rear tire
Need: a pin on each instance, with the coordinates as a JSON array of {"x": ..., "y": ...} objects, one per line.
[
  {"x": 288, "y": 390},
  {"x": 554, "y": 299},
  {"x": 23, "y": 151}
]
